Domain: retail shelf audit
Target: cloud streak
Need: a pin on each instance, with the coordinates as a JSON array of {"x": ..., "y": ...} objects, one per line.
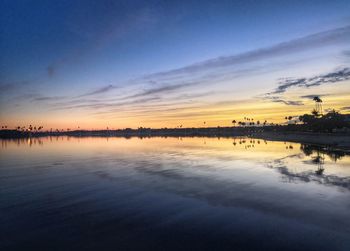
[
  {"x": 161, "y": 90},
  {"x": 101, "y": 90},
  {"x": 286, "y": 102},
  {"x": 321, "y": 39},
  {"x": 276, "y": 96},
  {"x": 331, "y": 77},
  {"x": 6, "y": 87},
  {"x": 46, "y": 98},
  {"x": 345, "y": 108}
]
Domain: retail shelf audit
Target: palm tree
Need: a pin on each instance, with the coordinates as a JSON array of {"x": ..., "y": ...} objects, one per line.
[
  {"x": 234, "y": 122},
  {"x": 289, "y": 118},
  {"x": 318, "y": 105}
]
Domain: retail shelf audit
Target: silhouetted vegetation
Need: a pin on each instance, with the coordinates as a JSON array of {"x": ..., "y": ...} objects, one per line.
[{"x": 330, "y": 122}]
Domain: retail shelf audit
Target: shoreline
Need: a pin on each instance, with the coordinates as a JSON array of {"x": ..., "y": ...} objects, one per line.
[{"x": 333, "y": 141}]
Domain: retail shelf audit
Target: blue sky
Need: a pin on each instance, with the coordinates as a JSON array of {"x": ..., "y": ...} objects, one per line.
[{"x": 92, "y": 61}]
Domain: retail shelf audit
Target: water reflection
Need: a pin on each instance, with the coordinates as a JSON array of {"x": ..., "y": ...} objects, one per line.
[
  {"x": 317, "y": 176},
  {"x": 331, "y": 153},
  {"x": 22, "y": 141},
  {"x": 159, "y": 190}
]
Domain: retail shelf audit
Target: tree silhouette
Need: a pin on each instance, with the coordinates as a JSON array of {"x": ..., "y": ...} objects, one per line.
[
  {"x": 234, "y": 122},
  {"x": 318, "y": 105}
]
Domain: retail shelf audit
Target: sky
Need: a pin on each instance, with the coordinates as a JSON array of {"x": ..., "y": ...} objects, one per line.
[{"x": 117, "y": 64}]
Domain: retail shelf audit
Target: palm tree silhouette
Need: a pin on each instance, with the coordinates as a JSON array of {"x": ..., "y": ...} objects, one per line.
[{"x": 318, "y": 105}]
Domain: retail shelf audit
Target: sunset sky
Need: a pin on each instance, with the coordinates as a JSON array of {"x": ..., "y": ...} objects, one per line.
[{"x": 94, "y": 64}]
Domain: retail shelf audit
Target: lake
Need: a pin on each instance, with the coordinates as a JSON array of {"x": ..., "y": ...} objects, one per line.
[{"x": 66, "y": 193}]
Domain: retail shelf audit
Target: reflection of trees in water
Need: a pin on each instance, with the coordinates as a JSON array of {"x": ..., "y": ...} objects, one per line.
[
  {"x": 334, "y": 155},
  {"x": 309, "y": 176},
  {"x": 317, "y": 154},
  {"x": 34, "y": 141},
  {"x": 250, "y": 143},
  {"x": 22, "y": 141},
  {"x": 319, "y": 161},
  {"x": 317, "y": 157}
]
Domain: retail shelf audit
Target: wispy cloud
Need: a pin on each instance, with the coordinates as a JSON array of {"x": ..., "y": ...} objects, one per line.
[
  {"x": 321, "y": 39},
  {"x": 6, "y": 87},
  {"x": 161, "y": 90},
  {"x": 345, "y": 109},
  {"x": 12, "y": 86},
  {"x": 276, "y": 95},
  {"x": 104, "y": 105},
  {"x": 99, "y": 91},
  {"x": 245, "y": 64},
  {"x": 331, "y": 77},
  {"x": 283, "y": 101},
  {"x": 40, "y": 98}
]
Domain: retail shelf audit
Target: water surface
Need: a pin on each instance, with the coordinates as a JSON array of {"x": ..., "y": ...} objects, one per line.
[{"x": 172, "y": 194}]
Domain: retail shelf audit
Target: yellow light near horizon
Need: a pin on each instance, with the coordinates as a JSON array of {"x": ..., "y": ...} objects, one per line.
[{"x": 216, "y": 114}]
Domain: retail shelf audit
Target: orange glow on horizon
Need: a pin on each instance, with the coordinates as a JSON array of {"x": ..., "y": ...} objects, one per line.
[{"x": 171, "y": 116}]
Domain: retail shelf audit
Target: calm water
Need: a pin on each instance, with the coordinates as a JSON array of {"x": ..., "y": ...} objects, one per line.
[{"x": 172, "y": 194}]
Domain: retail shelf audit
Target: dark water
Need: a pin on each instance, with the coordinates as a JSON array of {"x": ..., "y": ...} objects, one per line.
[{"x": 172, "y": 194}]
